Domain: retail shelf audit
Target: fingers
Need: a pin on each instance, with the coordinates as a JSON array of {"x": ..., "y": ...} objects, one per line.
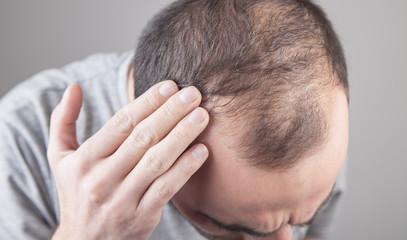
[
  {"x": 63, "y": 119},
  {"x": 111, "y": 136},
  {"x": 166, "y": 186},
  {"x": 154, "y": 128},
  {"x": 139, "y": 150},
  {"x": 162, "y": 156}
]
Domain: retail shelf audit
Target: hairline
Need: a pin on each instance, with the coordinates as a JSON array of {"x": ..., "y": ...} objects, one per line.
[{"x": 284, "y": 142}]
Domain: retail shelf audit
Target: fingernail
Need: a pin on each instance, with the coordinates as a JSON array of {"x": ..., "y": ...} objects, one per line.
[
  {"x": 199, "y": 152},
  {"x": 167, "y": 89},
  {"x": 197, "y": 116},
  {"x": 188, "y": 95}
]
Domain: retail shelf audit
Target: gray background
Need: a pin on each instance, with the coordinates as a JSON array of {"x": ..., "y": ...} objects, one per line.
[{"x": 35, "y": 35}]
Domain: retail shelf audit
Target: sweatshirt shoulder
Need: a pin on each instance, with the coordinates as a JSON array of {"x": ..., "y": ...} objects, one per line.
[{"x": 47, "y": 87}]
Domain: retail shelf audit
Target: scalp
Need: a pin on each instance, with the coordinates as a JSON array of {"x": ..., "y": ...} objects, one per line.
[{"x": 263, "y": 65}]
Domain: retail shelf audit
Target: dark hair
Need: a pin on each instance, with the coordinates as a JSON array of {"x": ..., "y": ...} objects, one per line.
[{"x": 272, "y": 60}]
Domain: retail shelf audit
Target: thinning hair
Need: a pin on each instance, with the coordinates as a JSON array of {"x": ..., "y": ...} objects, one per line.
[{"x": 271, "y": 60}]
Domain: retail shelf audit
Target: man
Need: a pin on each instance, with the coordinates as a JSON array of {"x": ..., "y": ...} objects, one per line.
[{"x": 247, "y": 142}]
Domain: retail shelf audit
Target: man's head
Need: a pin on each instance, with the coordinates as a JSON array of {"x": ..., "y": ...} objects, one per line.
[
  {"x": 263, "y": 65},
  {"x": 230, "y": 199},
  {"x": 273, "y": 77}
]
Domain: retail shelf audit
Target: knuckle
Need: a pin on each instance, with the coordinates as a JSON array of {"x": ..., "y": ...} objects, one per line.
[
  {"x": 95, "y": 198},
  {"x": 164, "y": 190},
  {"x": 123, "y": 121},
  {"x": 170, "y": 110},
  {"x": 154, "y": 163},
  {"x": 180, "y": 134},
  {"x": 151, "y": 101},
  {"x": 94, "y": 193},
  {"x": 144, "y": 218},
  {"x": 144, "y": 137},
  {"x": 187, "y": 166},
  {"x": 74, "y": 165},
  {"x": 142, "y": 224},
  {"x": 82, "y": 168}
]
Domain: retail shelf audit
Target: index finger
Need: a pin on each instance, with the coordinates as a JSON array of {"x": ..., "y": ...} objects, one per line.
[{"x": 118, "y": 128}]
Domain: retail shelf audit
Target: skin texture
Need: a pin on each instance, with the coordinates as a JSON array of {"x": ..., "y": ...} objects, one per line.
[
  {"x": 129, "y": 156},
  {"x": 140, "y": 153},
  {"x": 230, "y": 191}
]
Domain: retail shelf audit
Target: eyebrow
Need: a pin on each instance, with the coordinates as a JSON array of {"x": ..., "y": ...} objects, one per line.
[{"x": 255, "y": 233}]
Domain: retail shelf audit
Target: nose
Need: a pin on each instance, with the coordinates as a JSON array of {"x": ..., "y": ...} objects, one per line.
[{"x": 285, "y": 233}]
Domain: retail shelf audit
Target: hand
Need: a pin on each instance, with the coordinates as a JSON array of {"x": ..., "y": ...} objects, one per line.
[{"x": 115, "y": 185}]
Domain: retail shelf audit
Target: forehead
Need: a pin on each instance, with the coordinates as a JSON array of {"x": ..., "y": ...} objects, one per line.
[{"x": 227, "y": 182}]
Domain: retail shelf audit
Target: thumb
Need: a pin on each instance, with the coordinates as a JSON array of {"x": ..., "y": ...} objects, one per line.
[{"x": 63, "y": 122}]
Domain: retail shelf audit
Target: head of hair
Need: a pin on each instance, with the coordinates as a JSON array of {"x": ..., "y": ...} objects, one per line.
[{"x": 264, "y": 65}]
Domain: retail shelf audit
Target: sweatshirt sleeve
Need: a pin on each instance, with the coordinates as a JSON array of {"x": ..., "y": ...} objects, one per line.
[{"x": 27, "y": 191}]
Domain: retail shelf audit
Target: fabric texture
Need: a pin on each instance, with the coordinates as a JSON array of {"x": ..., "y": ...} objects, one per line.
[{"x": 28, "y": 194}]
